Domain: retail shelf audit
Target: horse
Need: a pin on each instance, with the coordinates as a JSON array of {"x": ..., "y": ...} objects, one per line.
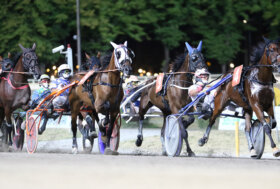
[
  {"x": 14, "y": 90},
  {"x": 6, "y": 64},
  {"x": 175, "y": 98},
  {"x": 102, "y": 93},
  {"x": 257, "y": 94}
]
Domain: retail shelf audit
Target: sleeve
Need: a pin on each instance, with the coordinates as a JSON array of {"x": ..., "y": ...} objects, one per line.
[{"x": 35, "y": 95}]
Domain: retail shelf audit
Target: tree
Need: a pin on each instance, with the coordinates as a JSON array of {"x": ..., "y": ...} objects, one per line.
[
  {"x": 221, "y": 27},
  {"x": 47, "y": 23}
]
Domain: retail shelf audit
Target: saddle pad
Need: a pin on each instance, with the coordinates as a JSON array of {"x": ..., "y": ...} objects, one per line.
[
  {"x": 86, "y": 77},
  {"x": 236, "y": 75},
  {"x": 159, "y": 82}
]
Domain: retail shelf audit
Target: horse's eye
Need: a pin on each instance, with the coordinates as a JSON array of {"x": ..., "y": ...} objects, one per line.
[
  {"x": 118, "y": 54},
  {"x": 194, "y": 58},
  {"x": 28, "y": 57}
]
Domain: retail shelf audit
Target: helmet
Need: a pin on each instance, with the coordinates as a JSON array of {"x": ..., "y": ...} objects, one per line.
[
  {"x": 63, "y": 67},
  {"x": 64, "y": 71},
  {"x": 42, "y": 83},
  {"x": 44, "y": 76}
]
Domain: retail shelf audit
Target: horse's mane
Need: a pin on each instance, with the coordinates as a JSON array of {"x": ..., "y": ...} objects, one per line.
[
  {"x": 257, "y": 52},
  {"x": 16, "y": 57},
  {"x": 179, "y": 60},
  {"x": 105, "y": 60}
]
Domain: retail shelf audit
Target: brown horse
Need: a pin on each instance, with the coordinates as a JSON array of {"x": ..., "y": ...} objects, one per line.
[
  {"x": 14, "y": 90},
  {"x": 176, "y": 97},
  {"x": 103, "y": 92},
  {"x": 257, "y": 94}
]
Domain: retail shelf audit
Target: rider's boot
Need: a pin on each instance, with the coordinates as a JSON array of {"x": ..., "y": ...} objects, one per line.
[{"x": 92, "y": 131}]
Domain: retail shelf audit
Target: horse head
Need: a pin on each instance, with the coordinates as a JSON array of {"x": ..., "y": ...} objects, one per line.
[
  {"x": 123, "y": 58},
  {"x": 30, "y": 61},
  {"x": 197, "y": 62},
  {"x": 92, "y": 61},
  {"x": 272, "y": 53},
  {"x": 6, "y": 63}
]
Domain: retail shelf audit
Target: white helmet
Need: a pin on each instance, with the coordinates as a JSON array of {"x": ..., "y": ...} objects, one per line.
[
  {"x": 64, "y": 71},
  {"x": 63, "y": 67},
  {"x": 42, "y": 83},
  {"x": 44, "y": 76}
]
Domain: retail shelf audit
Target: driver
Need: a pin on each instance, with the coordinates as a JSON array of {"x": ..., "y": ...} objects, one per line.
[
  {"x": 206, "y": 105},
  {"x": 64, "y": 73},
  {"x": 37, "y": 96}
]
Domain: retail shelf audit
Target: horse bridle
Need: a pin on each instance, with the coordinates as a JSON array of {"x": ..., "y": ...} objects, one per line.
[
  {"x": 118, "y": 64},
  {"x": 196, "y": 61},
  {"x": 27, "y": 58}
]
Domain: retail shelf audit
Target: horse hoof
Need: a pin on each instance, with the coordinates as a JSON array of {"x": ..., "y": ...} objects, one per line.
[
  {"x": 276, "y": 152},
  {"x": 201, "y": 142},
  {"x": 253, "y": 153},
  {"x": 138, "y": 142},
  {"x": 74, "y": 150},
  {"x": 108, "y": 151},
  {"x": 191, "y": 154},
  {"x": 92, "y": 134},
  {"x": 164, "y": 153}
]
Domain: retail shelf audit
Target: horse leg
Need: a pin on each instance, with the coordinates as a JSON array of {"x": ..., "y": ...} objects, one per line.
[
  {"x": 108, "y": 151},
  {"x": 45, "y": 121},
  {"x": 220, "y": 102},
  {"x": 1, "y": 121},
  {"x": 162, "y": 133},
  {"x": 276, "y": 151},
  {"x": 144, "y": 107},
  {"x": 75, "y": 110},
  {"x": 186, "y": 124},
  {"x": 92, "y": 131},
  {"x": 9, "y": 125},
  {"x": 3, "y": 132},
  {"x": 248, "y": 125}
]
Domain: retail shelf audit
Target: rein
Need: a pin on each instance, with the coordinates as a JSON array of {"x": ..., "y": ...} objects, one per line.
[
  {"x": 174, "y": 73},
  {"x": 27, "y": 73},
  {"x": 10, "y": 83},
  {"x": 105, "y": 71}
]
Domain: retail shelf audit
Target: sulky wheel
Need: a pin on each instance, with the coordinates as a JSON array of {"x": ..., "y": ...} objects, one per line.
[
  {"x": 258, "y": 138},
  {"x": 172, "y": 136},
  {"x": 31, "y": 134}
]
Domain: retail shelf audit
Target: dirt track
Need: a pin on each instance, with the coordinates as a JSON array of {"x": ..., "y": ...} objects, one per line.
[{"x": 54, "y": 170}]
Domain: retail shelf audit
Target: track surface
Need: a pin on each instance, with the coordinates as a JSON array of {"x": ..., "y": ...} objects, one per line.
[{"x": 60, "y": 170}]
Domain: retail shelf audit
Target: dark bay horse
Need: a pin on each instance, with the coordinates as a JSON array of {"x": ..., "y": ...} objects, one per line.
[
  {"x": 176, "y": 97},
  {"x": 103, "y": 92},
  {"x": 257, "y": 95},
  {"x": 14, "y": 90}
]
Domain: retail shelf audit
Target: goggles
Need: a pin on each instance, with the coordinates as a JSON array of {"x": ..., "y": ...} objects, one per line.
[
  {"x": 67, "y": 71},
  {"x": 45, "y": 81}
]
